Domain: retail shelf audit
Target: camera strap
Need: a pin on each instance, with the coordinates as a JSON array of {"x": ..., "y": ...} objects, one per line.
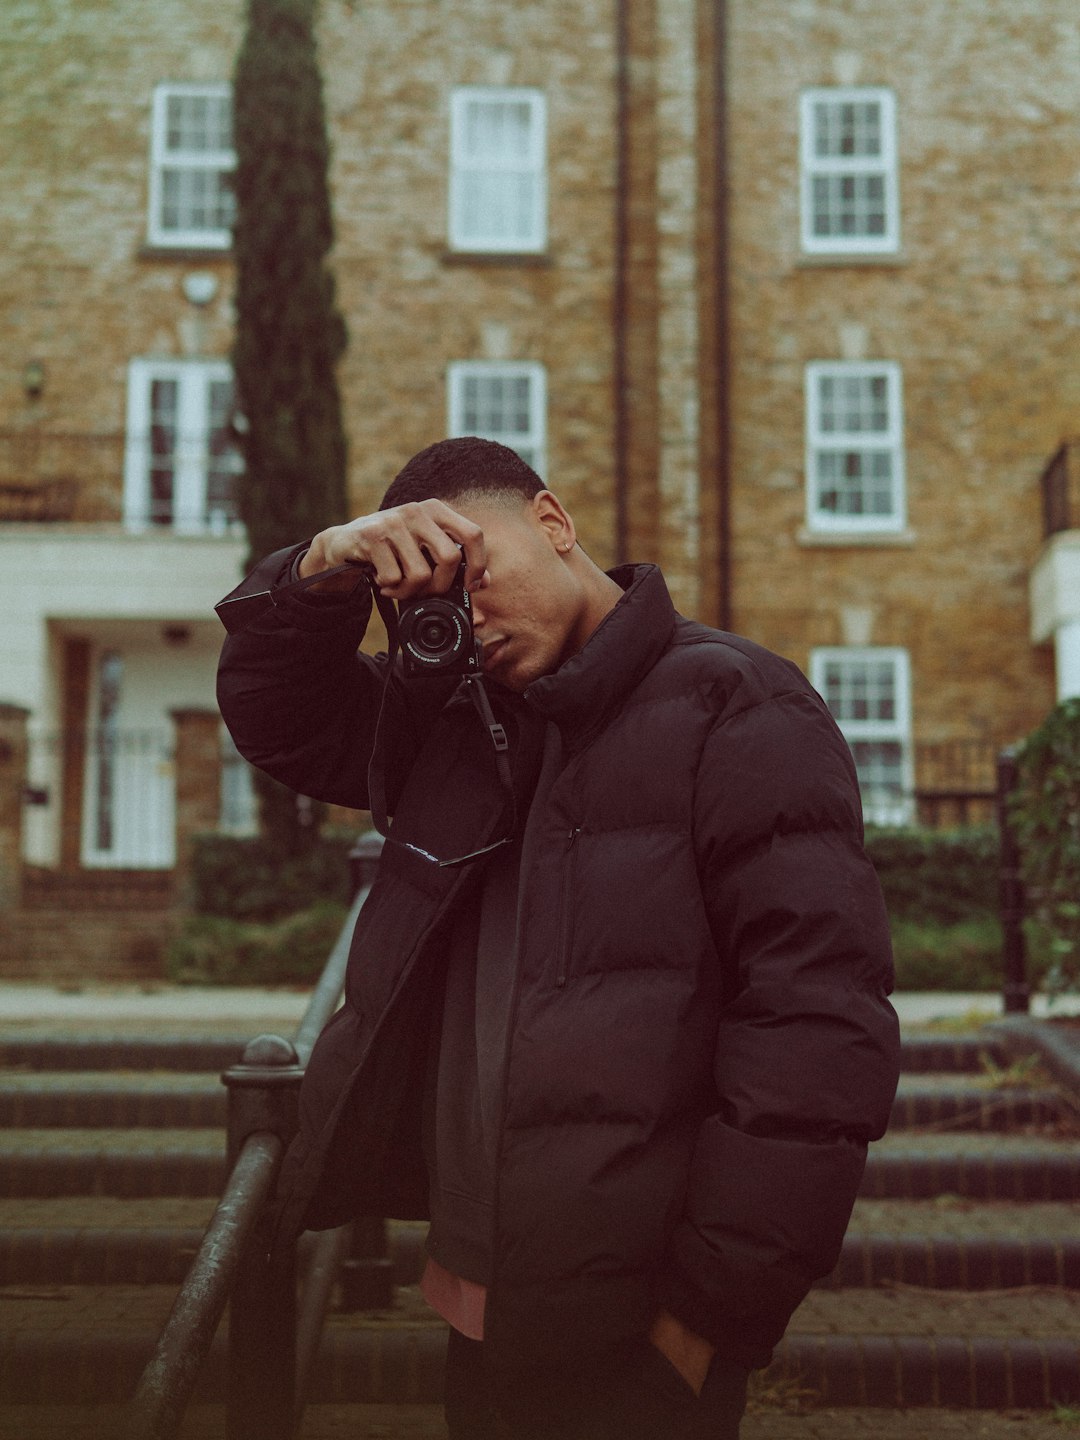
[
  {"x": 376, "y": 770},
  {"x": 236, "y": 614}
]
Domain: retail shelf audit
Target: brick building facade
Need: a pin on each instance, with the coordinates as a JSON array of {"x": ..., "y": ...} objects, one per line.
[{"x": 780, "y": 294}]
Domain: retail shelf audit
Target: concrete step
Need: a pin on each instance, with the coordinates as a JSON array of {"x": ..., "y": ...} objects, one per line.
[
  {"x": 42, "y": 1051},
  {"x": 947, "y": 1103},
  {"x": 925, "y": 1054},
  {"x": 907, "y": 1165},
  {"x": 167, "y": 1098},
  {"x": 111, "y": 1100},
  {"x": 101, "y": 1254},
  {"x": 766, "y": 1419},
  {"x": 911, "y": 1165},
  {"x": 879, "y": 1349},
  {"x": 118, "y": 1162}
]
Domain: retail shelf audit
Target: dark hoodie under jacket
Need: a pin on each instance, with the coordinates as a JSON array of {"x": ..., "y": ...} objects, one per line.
[{"x": 701, "y": 1043}]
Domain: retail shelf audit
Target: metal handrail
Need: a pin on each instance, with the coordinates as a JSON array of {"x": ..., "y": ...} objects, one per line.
[
  {"x": 166, "y": 1385},
  {"x": 262, "y": 1103}
]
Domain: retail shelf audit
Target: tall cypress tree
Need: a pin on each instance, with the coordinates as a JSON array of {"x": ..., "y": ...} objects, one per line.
[{"x": 289, "y": 332}]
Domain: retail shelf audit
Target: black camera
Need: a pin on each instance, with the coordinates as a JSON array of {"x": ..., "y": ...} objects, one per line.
[{"x": 436, "y": 634}]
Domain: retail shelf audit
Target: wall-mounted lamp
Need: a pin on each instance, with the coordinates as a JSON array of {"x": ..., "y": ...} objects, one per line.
[
  {"x": 199, "y": 287},
  {"x": 33, "y": 378}
]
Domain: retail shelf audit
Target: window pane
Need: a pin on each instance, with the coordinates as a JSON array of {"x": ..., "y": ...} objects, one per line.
[
  {"x": 498, "y": 131},
  {"x": 110, "y": 677},
  {"x": 198, "y": 123},
  {"x": 879, "y": 765},
  {"x": 197, "y": 199},
  {"x": 164, "y": 398},
  {"x": 223, "y": 459},
  {"x": 861, "y": 690},
  {"x": 499, "y": 407},
  {"x": 853, "y": 404},
  {"x": 847, "y": 128},
  {"x": 848, "y": 206}
]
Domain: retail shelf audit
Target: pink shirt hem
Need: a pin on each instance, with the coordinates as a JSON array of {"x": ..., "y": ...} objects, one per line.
[{"x": 460, "y": 1302}]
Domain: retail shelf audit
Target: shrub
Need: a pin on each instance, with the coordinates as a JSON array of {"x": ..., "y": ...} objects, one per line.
[
  {"x": 1046, "y": 813},
  {"x": 963, "y": 956},
  {"x": 937, "y": 877},
  {"x": 214, "y": 950},
  {"x": 246, "y": 879}
]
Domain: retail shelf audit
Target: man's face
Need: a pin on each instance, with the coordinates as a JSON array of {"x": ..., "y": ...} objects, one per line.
[{"x": 530, "y": 612}]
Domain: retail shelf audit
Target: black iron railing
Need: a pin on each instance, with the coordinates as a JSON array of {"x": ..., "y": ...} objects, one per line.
[
  {"x": 955, "y": 782},
  {"x": 1016, "y": 993},
  {"x": 272, "y": 1342},
  {"x": 1060, "y": 485}
]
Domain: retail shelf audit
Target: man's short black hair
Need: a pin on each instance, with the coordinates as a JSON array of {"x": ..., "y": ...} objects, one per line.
[{"x": 465, "y": 466}]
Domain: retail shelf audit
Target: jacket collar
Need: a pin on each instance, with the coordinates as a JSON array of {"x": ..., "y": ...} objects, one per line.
[{"x": 586, "y": 690}]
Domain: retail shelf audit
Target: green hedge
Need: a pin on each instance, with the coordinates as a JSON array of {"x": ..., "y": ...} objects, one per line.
[
  {"x": 213, "y": 950},
  {"x": 263, "y": 920},
  {"x": 937, "y": 877},
  {"x": 247, "y": 879}
]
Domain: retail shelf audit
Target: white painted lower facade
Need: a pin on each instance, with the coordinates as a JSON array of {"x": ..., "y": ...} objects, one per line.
[
  {"x": 142, "y": 604},
  {"x": 1055, "y": 607}
]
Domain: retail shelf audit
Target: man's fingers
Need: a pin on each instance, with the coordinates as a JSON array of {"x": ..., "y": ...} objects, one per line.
[{"x": 471, "y": 539}]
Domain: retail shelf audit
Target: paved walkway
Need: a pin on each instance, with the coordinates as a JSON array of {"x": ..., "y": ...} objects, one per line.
[
  {"x": 193, "y": 1007},
  {"x": 424, "y": 1422}
]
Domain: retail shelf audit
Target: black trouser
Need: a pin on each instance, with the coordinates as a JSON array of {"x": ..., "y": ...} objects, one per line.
[{"x": 638, "y": 1395}]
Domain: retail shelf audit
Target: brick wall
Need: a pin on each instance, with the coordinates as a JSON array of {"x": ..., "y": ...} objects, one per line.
[{"x": 979, "y": 307}]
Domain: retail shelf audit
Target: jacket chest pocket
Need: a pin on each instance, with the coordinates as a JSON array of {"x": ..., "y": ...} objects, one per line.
[{"x": 564, "y": 938}]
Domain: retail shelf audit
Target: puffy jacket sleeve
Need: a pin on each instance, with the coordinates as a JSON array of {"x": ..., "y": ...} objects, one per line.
[
  {"x": 301, "y": 701},
  {"x": 807, "y": 1050}
]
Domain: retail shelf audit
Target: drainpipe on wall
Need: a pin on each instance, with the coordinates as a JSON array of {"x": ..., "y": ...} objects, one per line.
[
  {"x": 619, "y": 299},
  {"x": 721, "y": 261}
]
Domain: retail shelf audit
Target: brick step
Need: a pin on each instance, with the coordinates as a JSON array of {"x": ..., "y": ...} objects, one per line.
[
  {"x": 124, "y": 1163},
  {"x": 952, "y": 1104},
  {"x": 48, "y": 1051},
  {"x": 398, "y": 1358},
  {"x": 161, "y": 1255},
  {"x": 768, "y": 1419},
  {"x": 92, "y": 1099},
  {"x": 913, "y": 1165},
  {"x": 922, "y": 1054},
  {"x": 111, "y": 1100}
]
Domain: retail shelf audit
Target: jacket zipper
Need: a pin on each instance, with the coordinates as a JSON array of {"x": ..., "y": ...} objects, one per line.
[{"x": 566, "y": 909}]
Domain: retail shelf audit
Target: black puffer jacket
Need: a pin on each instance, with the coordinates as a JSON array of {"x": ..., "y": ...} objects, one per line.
[{"x": 701, "y": 1043}]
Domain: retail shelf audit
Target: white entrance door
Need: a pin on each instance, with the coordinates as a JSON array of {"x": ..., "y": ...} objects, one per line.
[{"x": 129, "y": 800}]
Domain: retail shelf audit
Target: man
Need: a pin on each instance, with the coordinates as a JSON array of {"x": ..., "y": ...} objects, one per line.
[{"x": 628, "y": 1061}]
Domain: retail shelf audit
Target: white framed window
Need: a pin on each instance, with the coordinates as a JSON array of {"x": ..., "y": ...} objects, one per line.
[
  {"x": 849, "y": 184},
  {"x": 498, "y": 170},
  {"x": 191, "y": 165},
  {"x": 238, "y": 810},
  {"x": 855, "y": 446},
  {"x": 500, "y": 400},
  {"x": 180, "y": 460},
  {"x": 868, "y": 691}
]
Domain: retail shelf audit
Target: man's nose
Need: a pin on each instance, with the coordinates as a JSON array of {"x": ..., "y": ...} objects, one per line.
[{"x": 477, "y": 613}]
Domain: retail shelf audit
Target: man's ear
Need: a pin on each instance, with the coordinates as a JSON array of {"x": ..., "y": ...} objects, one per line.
[{"x": 555, "y": 519}]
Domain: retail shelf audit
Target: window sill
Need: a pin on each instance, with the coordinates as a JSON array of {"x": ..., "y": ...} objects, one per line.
[
  {"x": 186, "y": 254},
  {"x": 831, "y": 260},
  {"x": 845, "y": 539},
  {"x": 499, "y": 258}
]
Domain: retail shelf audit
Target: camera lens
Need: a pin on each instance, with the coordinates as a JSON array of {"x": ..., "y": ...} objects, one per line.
[{"x": 435, "y": 632}]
